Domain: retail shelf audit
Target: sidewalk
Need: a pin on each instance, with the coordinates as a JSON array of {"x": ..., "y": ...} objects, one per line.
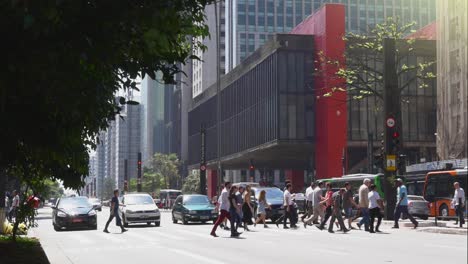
[{"x": 443, "y": 227}]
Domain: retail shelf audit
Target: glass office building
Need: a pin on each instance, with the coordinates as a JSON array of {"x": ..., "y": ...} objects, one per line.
[{"x": 249, "y": 23}]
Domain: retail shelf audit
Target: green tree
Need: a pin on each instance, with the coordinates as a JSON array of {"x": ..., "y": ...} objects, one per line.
[
  {"x": 52, "y": 189},
  {"x": 192, "y": 183},
  {"x": 167, "y": 166},
  {"x": 63, "y": 63},
  {"x": 361, "y": 74},
  {"x": 150, "y": 183}
]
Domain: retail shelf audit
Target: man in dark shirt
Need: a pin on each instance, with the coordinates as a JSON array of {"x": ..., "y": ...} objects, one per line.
[
  {"x": 337, "y": 206},
  {"x": 348, "y": 204},
  {"x": 114, "y": 212}
]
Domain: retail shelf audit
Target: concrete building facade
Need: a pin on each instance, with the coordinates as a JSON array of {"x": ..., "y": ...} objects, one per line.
[{"x": 452, "y": 79}]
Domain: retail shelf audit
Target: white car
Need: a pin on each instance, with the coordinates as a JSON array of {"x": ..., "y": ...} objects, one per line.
[{"x": 139, "y": 208}]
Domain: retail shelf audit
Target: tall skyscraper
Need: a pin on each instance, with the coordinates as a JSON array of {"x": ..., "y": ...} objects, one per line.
[
  {"x": 249, "y": 23},
  {"x": 152, "y": 121},
  {"x": 452, "y": 84}
]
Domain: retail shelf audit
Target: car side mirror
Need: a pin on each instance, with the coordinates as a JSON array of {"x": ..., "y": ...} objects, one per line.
[
  {"x": 53, "y": 207},
  {"x": 178, "y": 203}
]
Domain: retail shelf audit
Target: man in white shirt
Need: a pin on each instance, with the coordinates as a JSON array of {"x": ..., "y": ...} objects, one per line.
[
  {"x": 459, "y": 202},
  {"x": 223, "y": 207},
  {"x": 375, "y": 205},
  {"x": 308, "y": 197},
  {"x": 289, "y": 207},
  {"x": 317, "y": 207}
]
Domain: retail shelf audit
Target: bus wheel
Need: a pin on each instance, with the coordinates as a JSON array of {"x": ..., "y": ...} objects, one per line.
[{"x": 443, "y": 210}]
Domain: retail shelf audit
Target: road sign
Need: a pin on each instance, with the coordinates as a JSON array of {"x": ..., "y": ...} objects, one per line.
[
  {"x": 390, "y": 122},
  {"x": 202, "y": 167},
  {"x": 391, "y": 163}
]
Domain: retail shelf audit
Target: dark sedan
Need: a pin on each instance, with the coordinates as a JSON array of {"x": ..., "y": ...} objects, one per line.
[
  {"x": 74, "y": 212},
  {"x": 193, "y": 208}
]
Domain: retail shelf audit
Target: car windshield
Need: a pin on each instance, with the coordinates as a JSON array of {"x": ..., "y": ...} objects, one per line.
[
  {"x": 138, "y": 199},
  {"x": 94, "y": 200},
  {"x": 74, "y": 203},
  {"x": 271, "y": 193},
  {"x": 415, "y": 198},
  {"x": 196, "y": 199}
]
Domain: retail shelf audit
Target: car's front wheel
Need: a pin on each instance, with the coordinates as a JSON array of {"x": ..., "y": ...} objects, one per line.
[
  {"x": 157, "y": 223},
  {"x": 57, "y": 228},
  {"x": 174, "y": 220},
  {"x": 184, "y": 221}
]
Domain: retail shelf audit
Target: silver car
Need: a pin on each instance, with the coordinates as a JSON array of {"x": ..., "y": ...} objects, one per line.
[
  {"x": 418, "y": 206},
  {"x": 139, "y": 208}
]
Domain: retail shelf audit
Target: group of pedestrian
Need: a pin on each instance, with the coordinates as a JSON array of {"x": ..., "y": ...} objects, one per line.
[
  {"x": 12, "y": 202},
  {"x": 234, "y": 204}
]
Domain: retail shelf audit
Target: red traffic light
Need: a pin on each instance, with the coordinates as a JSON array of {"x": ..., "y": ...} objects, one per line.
[
  {"x": 139, "y": 162},
  {"x": 251, "y": 167},
  {"x": 396, "y": 134}
]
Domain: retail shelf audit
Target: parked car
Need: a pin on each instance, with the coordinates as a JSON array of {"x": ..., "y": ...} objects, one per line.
[
  {"x": 139, "y": 208},
  {"x": 418, "y": 206},
  {"x": 193, "y": 208},
  {"x": 274, "y": 197},
  {"x": 96, "y": 203},
  {"x": 73, "y": 212}
]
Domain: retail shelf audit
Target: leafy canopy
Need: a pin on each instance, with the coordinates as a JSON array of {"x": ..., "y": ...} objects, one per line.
[
  {"x": 362, "y": 71},
  {"x": 64, "y": 60}
]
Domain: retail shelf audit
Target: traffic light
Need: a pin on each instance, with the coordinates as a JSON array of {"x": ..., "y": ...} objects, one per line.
[
  {"x": 382, "y": 143},
  {"x": 395, "y": 141},
  {"x": 251, "y": 169}
]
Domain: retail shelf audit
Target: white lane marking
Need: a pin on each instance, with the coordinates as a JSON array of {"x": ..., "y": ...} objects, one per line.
[
  {"x": 144, "y": 237},
  {"x": 332, "y": 252},
  {"x": 114, "y": 238},
  {"x": 202, "y": 259},
  {"x": 202, "y": 235},
  {"x": 82, "y": 239},
  {"x": 174, "y": 237},
  {"x": 445, "y": 246}
]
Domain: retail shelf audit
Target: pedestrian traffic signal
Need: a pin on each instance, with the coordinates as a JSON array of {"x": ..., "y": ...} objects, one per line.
[{"x": 251, "y": 169}]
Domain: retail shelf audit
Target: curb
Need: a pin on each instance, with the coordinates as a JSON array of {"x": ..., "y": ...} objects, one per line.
[{"x": 449, "y": 231}]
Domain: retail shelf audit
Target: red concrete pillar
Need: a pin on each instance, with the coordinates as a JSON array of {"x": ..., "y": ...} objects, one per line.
[
  {"x": 212, "y": 182},
  {"x": 296, "y": 177},
  {"x": 328, "y": 27}
]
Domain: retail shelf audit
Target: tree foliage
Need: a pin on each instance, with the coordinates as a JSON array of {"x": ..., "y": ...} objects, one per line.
[
  {"x": 362, "y": 70},
  {"x": 63, "y": 62},
  {"x": 151, "y": 182},
  {"x": 167, "y": 166},
  {"x": 192, "y": 183}
]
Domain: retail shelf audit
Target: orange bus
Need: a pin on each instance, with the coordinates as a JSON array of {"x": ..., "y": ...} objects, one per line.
[{"x": 438, "y": 190}]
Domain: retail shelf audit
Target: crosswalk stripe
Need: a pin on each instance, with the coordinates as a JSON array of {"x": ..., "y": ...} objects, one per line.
[
  {"x": 201, "y": 258},
  {"x": 114, "y": 238}
]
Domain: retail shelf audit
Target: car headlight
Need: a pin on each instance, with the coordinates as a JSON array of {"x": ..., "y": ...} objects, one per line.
[
  {"x": 92, "y": 212},
  {"x": 192, "y": 212},
  {"x": 61, "y": 214},
  {"x": 156, "y": 211},
  {"x": 213, "y": 211},
  {"x": 129, "y": 211}
]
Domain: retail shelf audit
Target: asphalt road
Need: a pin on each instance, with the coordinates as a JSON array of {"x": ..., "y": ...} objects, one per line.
[{"x": 177, "y": 243}]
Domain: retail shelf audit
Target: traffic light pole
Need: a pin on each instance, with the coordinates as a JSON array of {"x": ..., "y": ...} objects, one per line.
[
  {"x": 203, "y": 160},
  {"x": 125, "y": 175},
  {"x": 139, "y": 173},
  {"x": 392, "y": 124}
]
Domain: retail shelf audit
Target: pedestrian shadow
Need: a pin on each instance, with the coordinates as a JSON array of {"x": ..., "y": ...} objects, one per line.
[
  {"x": 239, "y": 237},
  {"x": 382, "y": 233}
]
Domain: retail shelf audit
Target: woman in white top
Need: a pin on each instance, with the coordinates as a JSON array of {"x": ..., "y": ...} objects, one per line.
[{"x": 375, "y": 205}]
